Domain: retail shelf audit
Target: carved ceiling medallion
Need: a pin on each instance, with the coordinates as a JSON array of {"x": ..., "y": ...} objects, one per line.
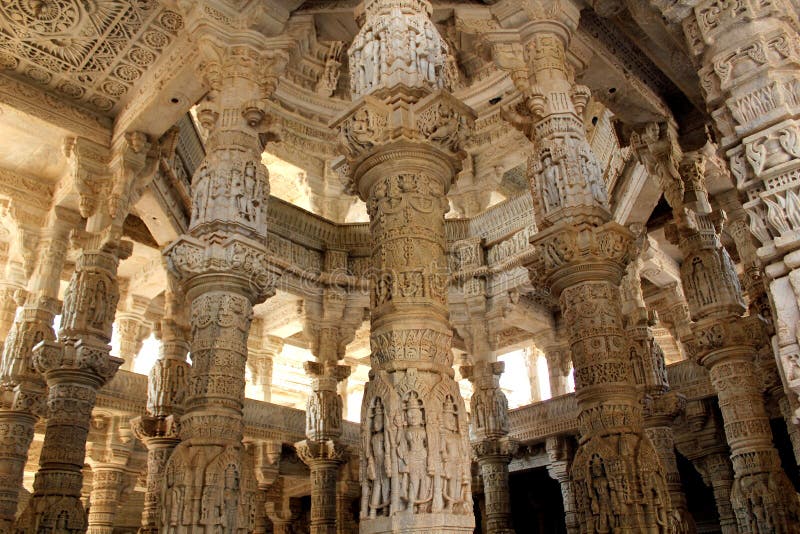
[{"x": 88, "y": 50}]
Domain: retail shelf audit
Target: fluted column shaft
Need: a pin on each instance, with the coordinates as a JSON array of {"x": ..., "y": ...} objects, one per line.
[{"x": 107, "y": 482}]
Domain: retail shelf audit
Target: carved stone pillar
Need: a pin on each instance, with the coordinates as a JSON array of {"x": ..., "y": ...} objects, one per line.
[
  {"x": 75, "y": 368},
  {"x": 159, "y": 428},
  {"x": 581, "y": 255},
  {"x": 660, "y": 434},
  {"x": 328, "y": 334},
  {"x": 281, "y": 510},
  {"x": 347, "y": 494},
  {"x": 726, "y": 344},
  {"x": 133, "y": 330},
  {"x": 323, "y": 459},
  {"x": 22, "y": 389},
  {"x": 561, "y": 454},
  {"x": 490, "y": 443},
  {"x": 12, "y": 297},
  {"x": 223, "y": 266},
  {"x": 661, "y": 406},
  {"x": 531, "y": 360},
  {"x": 107, "y": 484},
  {"x": 261, "y": 359},
  {"x": 749, "y": 79},
  {"x": 556, "y": 352},
  {"x": 402, "y": 141}
]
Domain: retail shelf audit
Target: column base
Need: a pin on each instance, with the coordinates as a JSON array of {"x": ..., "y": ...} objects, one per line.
[
  {"x": 412, "y": 523},
  {"x": 64, "y": 514}
]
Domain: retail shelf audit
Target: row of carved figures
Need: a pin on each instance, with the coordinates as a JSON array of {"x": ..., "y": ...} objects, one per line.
[{"x": 410, "y": 465}]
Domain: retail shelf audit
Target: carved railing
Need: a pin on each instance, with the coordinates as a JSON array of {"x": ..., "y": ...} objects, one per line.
[
  {"x": 558, "y": 416},
  {"x": 127, "y": 393}
]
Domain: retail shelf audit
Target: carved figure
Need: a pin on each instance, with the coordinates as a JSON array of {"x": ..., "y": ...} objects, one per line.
[
  {"x": 453, "y": 454},
  {"x": 378, "y": 462},
  {"x": 412, "y": 453}
]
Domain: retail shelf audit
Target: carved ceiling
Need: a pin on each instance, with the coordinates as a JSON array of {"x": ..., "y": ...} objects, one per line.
[{"x": 88, "y": 51}]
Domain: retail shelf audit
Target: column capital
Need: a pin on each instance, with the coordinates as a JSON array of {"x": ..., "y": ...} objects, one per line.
[
  {"x": 499, "y": 449},
  {"x": 149, "y": 428},
  {"x": 323, "y": 452},
  {"x": 391, "y": 125}
]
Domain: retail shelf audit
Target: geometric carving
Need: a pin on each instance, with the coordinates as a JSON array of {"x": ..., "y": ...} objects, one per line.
[{"x": 92, "y": 52}]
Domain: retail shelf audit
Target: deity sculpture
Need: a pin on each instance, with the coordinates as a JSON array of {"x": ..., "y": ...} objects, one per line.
[
  {"x": 412, "y": 453},
  {"x": 378, "y": 462},
  {"x": 452, "y": 448}
]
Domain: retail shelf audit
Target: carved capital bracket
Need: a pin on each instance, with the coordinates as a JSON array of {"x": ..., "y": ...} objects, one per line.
[
  {"x": 235, "y": 259},
  {"x": 324, "y": 452},
  {"x": 567, "y": 253},
  {"x": 392, "y": 124}
]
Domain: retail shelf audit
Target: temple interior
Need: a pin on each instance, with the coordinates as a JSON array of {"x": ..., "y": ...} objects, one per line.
[{"x": 399, "y": 266}]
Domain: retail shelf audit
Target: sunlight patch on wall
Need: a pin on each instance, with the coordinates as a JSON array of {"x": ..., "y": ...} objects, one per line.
[{"x": 514, "y": 381}]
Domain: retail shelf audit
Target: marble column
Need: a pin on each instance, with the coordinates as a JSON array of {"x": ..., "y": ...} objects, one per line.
[
  {"x": 717, "y": 472},
  {"x": 750, "y": 79},
  {"x": 402, "y": 142},
  {"x": 167, "y": 382},
  {"x": 661, "y": 406},
  {"x": 223, "y": 267},
  {"x": 491, "y": 445},
  {"x": 281, "y": 510},
  {"x": 726, "y": 344},
  {"x": 581, "y": 255},
  {"x": 262, "y": 351},
  {"x": 556, "y": 351},
  {"x": 328, "y": 333},
  {"x": 133, "y": 329},
  {"x": 75, "y": 368},
  {"x": 107, "y": 484},
  {"x": 79, "y": 363},
  {"x": 22, "y": 389},
  {"x": 12, "y": 296},
  {"x": 561, "y": 453},
  {"x": 531, "y": 361}
]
